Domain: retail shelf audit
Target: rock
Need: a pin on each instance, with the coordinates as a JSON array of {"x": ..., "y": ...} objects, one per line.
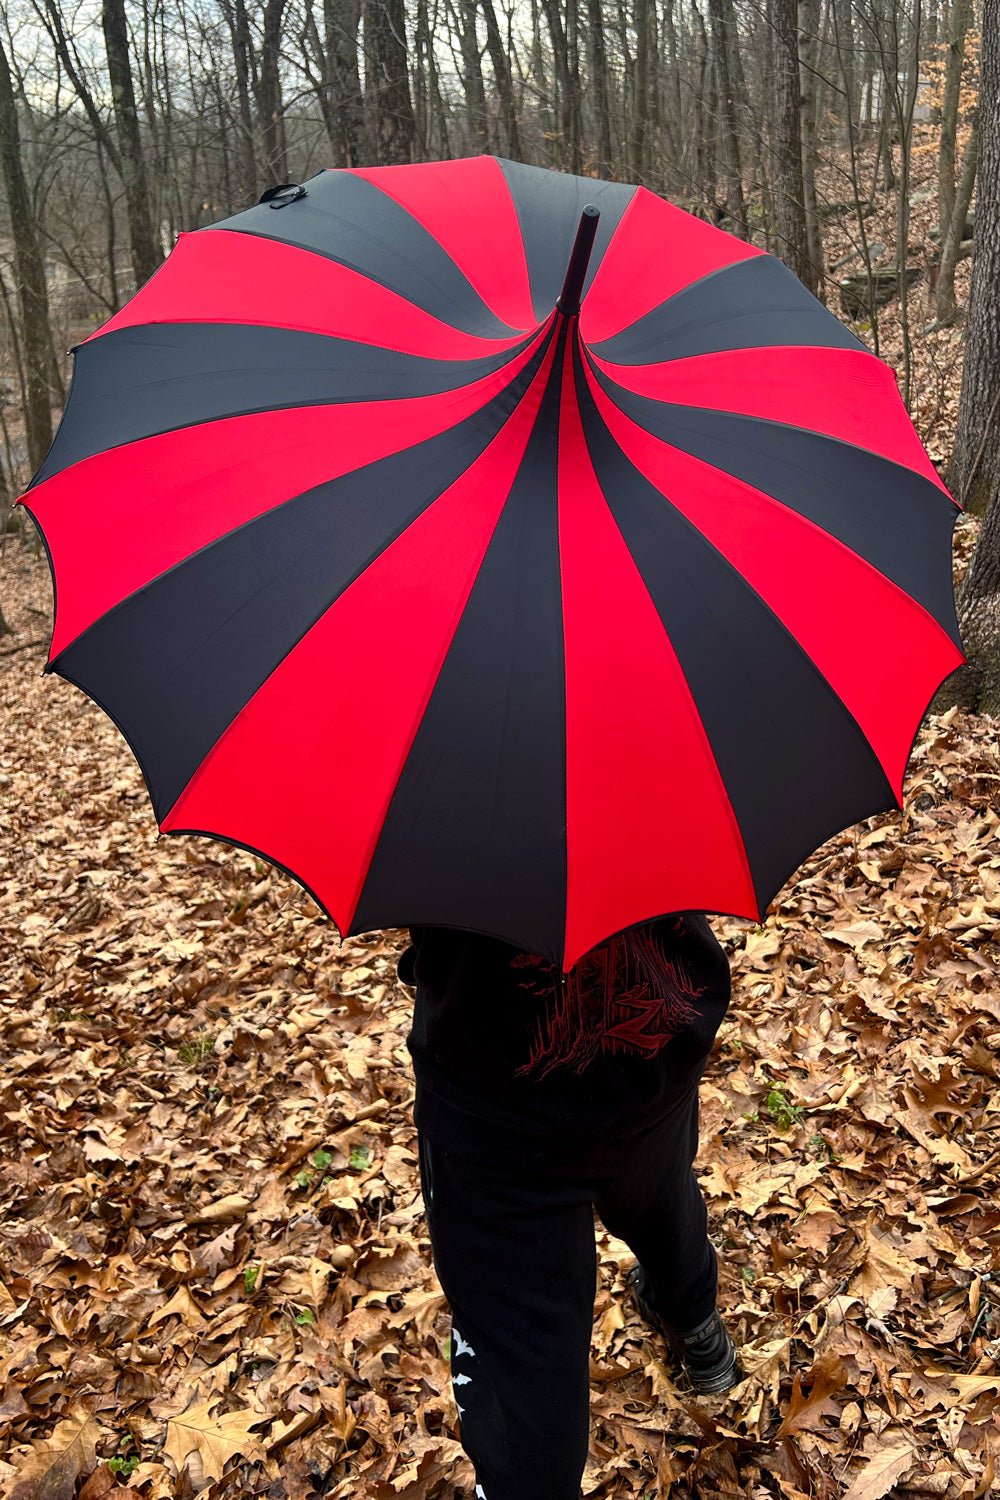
[
  {"x": 967, "y": 230},
  {"x": 883, "y": 286}
]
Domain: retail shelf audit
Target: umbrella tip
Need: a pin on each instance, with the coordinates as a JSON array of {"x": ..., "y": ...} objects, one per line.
[{"x": 579, "y": 259}]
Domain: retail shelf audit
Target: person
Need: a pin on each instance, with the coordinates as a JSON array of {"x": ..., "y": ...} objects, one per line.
[{"x": 541, "y": 1097}]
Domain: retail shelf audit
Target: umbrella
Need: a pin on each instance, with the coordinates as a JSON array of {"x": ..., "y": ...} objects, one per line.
[{"x": 499, "y": 549}]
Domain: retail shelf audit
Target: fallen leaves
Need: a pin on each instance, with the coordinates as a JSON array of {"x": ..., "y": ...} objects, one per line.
[
  {"x": 214, "y": 1266},
  {"x": 201, "y": 1444},
  {"x": 891, "y": 1460},
  {"x": 56, "y": 1465}
]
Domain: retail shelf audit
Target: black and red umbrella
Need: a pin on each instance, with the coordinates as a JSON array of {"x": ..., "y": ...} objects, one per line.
[{"x": 498, "y": 549}]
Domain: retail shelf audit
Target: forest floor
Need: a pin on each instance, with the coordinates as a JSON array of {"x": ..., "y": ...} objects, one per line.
[
  {"x": 215, "y": 1275},
  {"x": 215, "y": 1265}
]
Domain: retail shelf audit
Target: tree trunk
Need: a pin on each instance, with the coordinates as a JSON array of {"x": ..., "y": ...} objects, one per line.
[
  {"x": 540, "y": 82},
  {"x": 958, "y": 25},
  {"x": 789, "y": 192},
  {"x": 500, "y": 58},
  {"x": 808, "y": 20},
  {"x": 28, "y": 265},
  {"x": 146, "y": 252},
  {"x": 599, "y": 82},
  {"x": 573, "y": 85},
  {"x": 268, "y": 95},
  {"x": 704, "y": 104},
  {"x": 951, "y": 244},
  {"x": 239, "y": 31},
  {"x": 441, "y": 107},
  {"x": 561, "y": 69},
  {"x": 640, "y": 101},
  {"x": 472, "y": 66},
  {"x": 721, "y": 12},
  {"x": 843, "y": 31},
  {"x": 974, "y": 473},
  {"x": 331, "y": 61},
  {"x": 675, "y": 107},
  {"x": 388, "y": 111},
  {"x": 977, "y": 686}
]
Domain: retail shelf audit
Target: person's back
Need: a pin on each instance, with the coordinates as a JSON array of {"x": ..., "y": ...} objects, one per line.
[
  {"x": 509, "y": 1060},
  {"x": 540, "y": 1097}
]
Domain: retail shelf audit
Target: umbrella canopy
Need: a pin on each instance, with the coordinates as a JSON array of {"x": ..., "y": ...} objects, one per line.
[{"x": 498, "y": 549}]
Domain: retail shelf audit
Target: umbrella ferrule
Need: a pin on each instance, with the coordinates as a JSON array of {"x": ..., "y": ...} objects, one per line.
[{"x": 579, "y": 259}]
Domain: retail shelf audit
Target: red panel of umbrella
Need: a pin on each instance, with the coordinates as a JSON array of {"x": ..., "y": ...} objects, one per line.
[{"x": 497, "y": 549}]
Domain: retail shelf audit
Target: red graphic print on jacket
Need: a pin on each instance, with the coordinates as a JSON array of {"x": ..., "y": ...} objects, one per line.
[{"x": 626, "y": 996}]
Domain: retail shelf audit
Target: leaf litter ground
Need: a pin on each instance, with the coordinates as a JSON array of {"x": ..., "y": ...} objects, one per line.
[{"x": 215, "y": 1276}]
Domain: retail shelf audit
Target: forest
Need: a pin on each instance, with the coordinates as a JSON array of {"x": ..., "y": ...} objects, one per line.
[{"x": 215, "y": 1271}]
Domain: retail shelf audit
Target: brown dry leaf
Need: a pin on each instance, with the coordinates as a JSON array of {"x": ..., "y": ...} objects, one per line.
[
  {"x": 856, "y": 935},
  {"x": 233, "y": 1206},
  {"x": 892, "y": 1460},
  {"x": 101, "y": 1482},
  {"x": 58, "y": 1463},
  {"x": 204, "y": 1444},
  {"x": 808, "y": 1410},
  {"x": 181, "y": 1305},
  {"x": 885, "y": 1268}
]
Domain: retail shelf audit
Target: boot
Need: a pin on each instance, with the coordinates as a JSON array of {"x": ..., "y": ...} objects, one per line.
[{"x": 706, "y": 1351}]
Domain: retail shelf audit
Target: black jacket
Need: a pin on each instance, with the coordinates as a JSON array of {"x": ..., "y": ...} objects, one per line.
[{"x": 513, "y": 1062}]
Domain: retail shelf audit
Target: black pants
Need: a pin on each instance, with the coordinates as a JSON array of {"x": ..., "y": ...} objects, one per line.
[{"x": 516, "y": 1257}]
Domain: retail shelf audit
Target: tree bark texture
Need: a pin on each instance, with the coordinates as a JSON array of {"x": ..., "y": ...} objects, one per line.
[
  {"x": 974, "y": 472},
  {"x": 268, "y": 95},
  {"x": 723, "y": 28},
  {"x": 789, "y": 191},
  {"x": 959, "y": 22},
  {"x": 242, "y": 44},
  {"x": 472, "y": 67},
  {"x": 500, "y": 60},
  {"x": 602, "y": 92},
  {"x": 146, "y": 251},
  {"x": 951, "y": 241},
  {"x": 32, "y": 295},
  {"x": 808, "y": 21},
  {"x": 388, "y": 110}
]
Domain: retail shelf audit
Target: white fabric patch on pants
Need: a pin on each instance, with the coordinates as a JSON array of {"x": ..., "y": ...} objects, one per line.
[{"x": 460, "y": 1347}]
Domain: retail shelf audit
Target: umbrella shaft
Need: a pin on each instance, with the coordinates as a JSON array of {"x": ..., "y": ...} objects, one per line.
[{"x": 569, "y": 297}]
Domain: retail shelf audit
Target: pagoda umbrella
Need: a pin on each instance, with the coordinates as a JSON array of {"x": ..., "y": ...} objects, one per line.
[{"x": 497, "y": 549}]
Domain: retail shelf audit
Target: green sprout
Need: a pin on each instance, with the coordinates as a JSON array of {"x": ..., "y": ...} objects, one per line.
[{"x": 783, "y": 1113}]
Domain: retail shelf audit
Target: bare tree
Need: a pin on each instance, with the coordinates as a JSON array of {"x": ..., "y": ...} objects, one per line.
[
  {"x": 472, "y": 64},
  {"x": 954, "y": 230},
  {"x": 959, "y": 21},
  {"x": 601, "y": 85},
  {"x": 808, "y": 47},
  {"x": 388, "y": 109},
  {"x": 790, "y": 213},
  {"x": 30, "y": 271},
  {"x": 268, "y": 95},
  {"x": 146, "y": 251},
  {"x": 723, "y": 27},
  {"x": 975, "y": 468},
  {"x": 330, "y": 61}
]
